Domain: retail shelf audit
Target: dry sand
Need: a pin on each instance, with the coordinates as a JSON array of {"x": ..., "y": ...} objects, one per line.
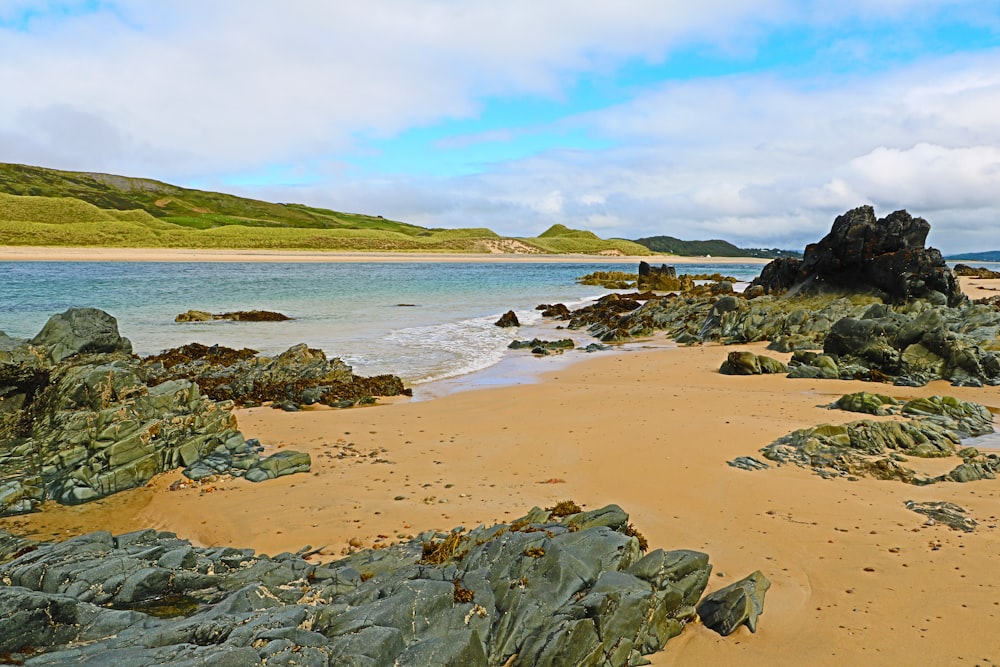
[
  {"x": 856, "y": 577},
  {"x": 77, "y": 254}
]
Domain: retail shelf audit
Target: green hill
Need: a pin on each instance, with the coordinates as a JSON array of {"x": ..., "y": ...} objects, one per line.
[
  {"x": 40, "y": 206},
  {"x": 716, "y": 248}
]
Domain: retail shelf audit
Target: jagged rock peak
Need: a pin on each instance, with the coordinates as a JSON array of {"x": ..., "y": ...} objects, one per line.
[{"x": 863, "y": 254}]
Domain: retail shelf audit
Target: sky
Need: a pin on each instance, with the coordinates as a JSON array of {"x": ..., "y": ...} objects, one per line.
[{"x": 755, "y": 121}]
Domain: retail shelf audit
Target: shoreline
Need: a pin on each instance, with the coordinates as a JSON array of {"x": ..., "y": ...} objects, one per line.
[
  {"x": 855, "y": 576},
  {"x": 86, "y": 254}
]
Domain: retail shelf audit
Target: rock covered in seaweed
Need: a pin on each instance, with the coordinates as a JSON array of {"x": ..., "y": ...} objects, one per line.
[
  {"x": 573, "y": 590},
  {"x": 867, "y": 448},
  {"x": 299, "y": 375}
]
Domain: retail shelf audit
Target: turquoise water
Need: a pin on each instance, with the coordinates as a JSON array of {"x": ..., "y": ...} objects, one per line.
[{"x": 349, "y": 310}]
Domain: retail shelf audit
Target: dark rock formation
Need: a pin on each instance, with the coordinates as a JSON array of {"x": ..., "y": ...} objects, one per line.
[
  {"x": 543, "y": 347},
  {"x": 935, "y": 428},
  {"x": 542, "y": 591},
  {"x": 298, "y": 376},
  {"x": 748, "y": 363},
  {"x": 735, "y": 605},
  {"x": 976, "y": 272},
  {"x": 236, "y": 316},
  {"x": 861, "y": 253},
  {"x": 508, "y": 319}
]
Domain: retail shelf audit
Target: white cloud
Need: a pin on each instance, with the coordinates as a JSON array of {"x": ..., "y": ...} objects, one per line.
[{"x": 206, "y": 89}]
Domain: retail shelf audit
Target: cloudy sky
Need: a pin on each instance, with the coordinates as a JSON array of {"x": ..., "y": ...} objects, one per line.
[{"x": 756, "y": 121}]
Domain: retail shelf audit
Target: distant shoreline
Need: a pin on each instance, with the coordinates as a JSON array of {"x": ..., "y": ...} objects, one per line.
[{"x": 87, "y": 254}]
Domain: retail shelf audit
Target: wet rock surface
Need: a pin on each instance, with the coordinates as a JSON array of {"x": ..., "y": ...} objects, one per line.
[
  {"x": 543, "y": 347},
  {"x": 507, "y": 320},
  {"x": 542, "y": 590},
  {"x": 934, "y": 428},
  {"x": 236, "y": 316}
]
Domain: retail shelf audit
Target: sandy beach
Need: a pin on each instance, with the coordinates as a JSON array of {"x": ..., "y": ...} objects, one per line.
[
  {"x": 856, "y": 577},
  {"x": 77, "y": 254}
]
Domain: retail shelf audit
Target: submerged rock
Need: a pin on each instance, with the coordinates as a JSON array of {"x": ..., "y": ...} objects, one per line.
[
  {"x": 543, "y": 347},
  {"x": 236, "y": 316},
  {"x": 539, "y": 591}
]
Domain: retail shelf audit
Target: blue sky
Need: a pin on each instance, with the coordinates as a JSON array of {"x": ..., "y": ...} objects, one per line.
[{"x": 756, "y": 121}]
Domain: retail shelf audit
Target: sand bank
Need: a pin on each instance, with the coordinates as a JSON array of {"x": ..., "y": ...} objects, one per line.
[
  {"x": 76, "y": 254},
  {"x": 856, "y": 577}
]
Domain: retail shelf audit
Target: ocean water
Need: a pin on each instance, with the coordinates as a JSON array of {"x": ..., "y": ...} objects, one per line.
[{"x": 421, "y": 321}]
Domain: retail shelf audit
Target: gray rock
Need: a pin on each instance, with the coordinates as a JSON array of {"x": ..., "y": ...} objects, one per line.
[
  {"x": 738, "y": 604},
  {"x": 79, "y": 330},
  {"x": 552, "y": 591}
]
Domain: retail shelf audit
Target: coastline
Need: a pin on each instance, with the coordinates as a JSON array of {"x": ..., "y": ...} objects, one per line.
[
  {"x": 84, "y": 254},
  {"x": 650, "y": 430}
]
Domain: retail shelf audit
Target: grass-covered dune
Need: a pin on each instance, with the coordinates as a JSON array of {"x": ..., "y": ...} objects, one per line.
[{"x": 46, "y": 207}]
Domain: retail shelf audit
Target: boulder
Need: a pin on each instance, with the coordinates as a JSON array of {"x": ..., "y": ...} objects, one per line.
[
  {"x": 748, "y": 363},
  {"x": 80, "y": 330},
  {"x": 508, "y": 319},
  {"x": 738, "y": 604}
]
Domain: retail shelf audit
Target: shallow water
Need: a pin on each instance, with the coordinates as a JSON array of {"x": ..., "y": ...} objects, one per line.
[{"x": 421, "y": 321}]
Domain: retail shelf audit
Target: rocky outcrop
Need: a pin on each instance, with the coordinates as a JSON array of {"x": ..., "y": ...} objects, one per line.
[
  {"x": 862, "y": 254},
  {"x": 508, "y": 319},
  {"x": 934, "y": 428},
  {"x": 298, "y": 376},
  {"x": 81, "y": 418},
  {"x": 976, "y": 272},
  {"x": 543, "y": 347},
  {"x": 748, "y": 363},
  {"x": 236, "y": 316},
  {"x": 911, "y": 346},
  {"x": 80, "y": 330},
  {"x": 542, "y": 590},
  {"x": 952, "y": 515}
]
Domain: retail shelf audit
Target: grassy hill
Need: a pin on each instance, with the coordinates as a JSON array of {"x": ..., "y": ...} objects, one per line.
[
  {"x": 716, "y": 248},
  {"x": 40, "y": 206}
]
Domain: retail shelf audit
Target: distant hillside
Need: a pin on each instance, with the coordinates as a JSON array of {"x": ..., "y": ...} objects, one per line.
[
  {"x": 40, "y": 206},
  {"x": 987, "y": 256},
  {"x": 716, "y": 248}
]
